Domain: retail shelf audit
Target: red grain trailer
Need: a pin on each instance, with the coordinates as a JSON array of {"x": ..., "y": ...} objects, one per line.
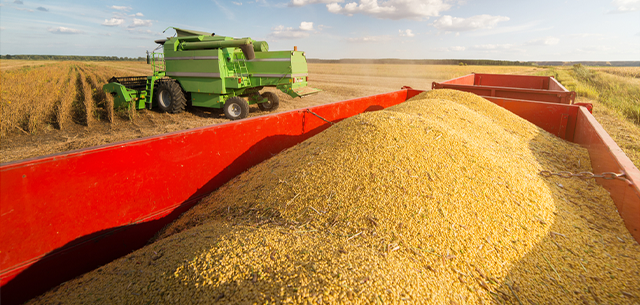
[
  {"x": 521, "y": 87},
  {"x": 68, "y": 213}
]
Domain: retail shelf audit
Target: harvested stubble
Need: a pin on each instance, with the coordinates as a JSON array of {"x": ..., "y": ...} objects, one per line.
[{"x": 437, "y": 200}]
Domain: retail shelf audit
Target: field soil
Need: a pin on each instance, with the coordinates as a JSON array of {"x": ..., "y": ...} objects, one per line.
[{"x": 338, "y": 82}]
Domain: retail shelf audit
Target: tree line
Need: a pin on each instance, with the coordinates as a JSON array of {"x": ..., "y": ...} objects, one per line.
[
  {"x": 72, "y": 57},
  {"x": 462, "y": 62},
  {"x": 474, "y": 62}
]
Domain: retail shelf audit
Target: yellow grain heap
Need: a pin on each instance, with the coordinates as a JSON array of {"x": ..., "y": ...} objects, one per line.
[{"x": 437, "y": 201}]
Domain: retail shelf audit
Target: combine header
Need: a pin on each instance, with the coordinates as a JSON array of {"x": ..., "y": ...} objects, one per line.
[{"x": 206, "y": 70}]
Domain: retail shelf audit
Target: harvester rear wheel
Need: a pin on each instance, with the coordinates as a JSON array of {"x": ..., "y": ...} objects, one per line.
[
  {"x": 272, "y": 104},
  {"x": 236, "y": 108},
  {"x": 170, "y": 96}
]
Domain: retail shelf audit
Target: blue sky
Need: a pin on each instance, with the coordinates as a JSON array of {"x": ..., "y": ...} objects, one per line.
[{"x": 565, "y": 30}]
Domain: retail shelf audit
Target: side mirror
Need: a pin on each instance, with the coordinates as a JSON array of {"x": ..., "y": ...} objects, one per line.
[{"x": 148, "y": 59}]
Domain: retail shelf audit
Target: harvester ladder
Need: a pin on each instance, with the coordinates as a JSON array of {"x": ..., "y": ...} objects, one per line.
[
  {"x": 158, "y": 63},
  {"x": 242, "y": 68}
]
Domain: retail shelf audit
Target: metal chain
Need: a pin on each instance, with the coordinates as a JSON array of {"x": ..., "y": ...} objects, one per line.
[
  {"x": 309, "y": 111},
  {"x": 585, "y": 175}
]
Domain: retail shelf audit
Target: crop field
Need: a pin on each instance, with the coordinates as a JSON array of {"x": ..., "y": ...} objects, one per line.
[
  {"x": 54, "y": 96},
  {"x": 49, "y": 107},
  {"x": 633, "y": 72}
]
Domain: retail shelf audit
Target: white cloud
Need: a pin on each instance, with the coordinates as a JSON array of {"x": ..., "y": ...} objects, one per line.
[
  {"x": 139, "y": 15},
  {"x": 306, "y": 26},
  {"x": 42, "y": 9},
  {"x": 586, "y": 35},
  {"x": 448, "y": 49},
  {"x": 546, "y": 41},
  {"x": 368, "y": 39},
  {"x": 528, "y": 27},
  {"x": 140, "y": 23},
  {"x": 307, "y": 2},
  {"x": 455, "y": 24},
  {"x": 593, "y": 49},
  {"x": 121, "y": 8},
  {"x": 283, "y": 32},
  {"x": 625, "y": 6},
  {"x": 145, "y": 32},
  {"x": 113, "y": 22},
  {"x": 24, "y": 9},
  {"x": 236, "y": 3},
  {"x": 492, "y": 47},
  {"x": 406, "y": 33},
  {"x": 64, "y": 30},
  {"x": 392, "y": 9},
  {"x": 506, "y": 48}
]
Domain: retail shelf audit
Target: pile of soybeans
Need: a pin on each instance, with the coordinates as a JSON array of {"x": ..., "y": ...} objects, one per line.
[{"x": 437, "y": 200}]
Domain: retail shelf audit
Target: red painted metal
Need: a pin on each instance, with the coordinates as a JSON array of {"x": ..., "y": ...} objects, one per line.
[
  {"x": 606, "y": 156},
  {"x": 65, "y": 214},
  {"x": 557, "y": 119},
  {"x": 520, "y": 87},
  {"x": 589, "y": 106},
  {"x": 512, "y": 81}
]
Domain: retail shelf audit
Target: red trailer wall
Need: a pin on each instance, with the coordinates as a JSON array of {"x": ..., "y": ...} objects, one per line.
[
  {"x": 557, "y": 119},
  {"x": 65, "y": 214},
  {"x": 512, "y": 81},
  {"x": 555, "y": 85},
  {"x": 606, "y": 156},
  {"x": 519, "y": 87}
]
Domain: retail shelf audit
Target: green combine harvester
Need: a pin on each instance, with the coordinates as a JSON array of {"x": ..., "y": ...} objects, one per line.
[{"x": 206, "y": 70}]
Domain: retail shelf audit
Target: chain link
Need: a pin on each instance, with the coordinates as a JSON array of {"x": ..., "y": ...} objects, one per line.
[
  {"x": 309, "y": 111},
  {"x": 585, "y": 175}
]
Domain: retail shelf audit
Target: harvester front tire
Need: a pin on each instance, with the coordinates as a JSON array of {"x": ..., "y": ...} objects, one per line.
[
  {"x": 236, "y": 108},
  {"x": 170, "y": 97},
  {"x": 272, "y": 104}
]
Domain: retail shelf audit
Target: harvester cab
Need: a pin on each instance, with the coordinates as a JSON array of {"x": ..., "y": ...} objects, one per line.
[{"x": 208, "y": 70}]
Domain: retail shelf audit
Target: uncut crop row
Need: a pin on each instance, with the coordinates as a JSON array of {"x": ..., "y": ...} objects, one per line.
[{"x": 59, "y": 96}]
